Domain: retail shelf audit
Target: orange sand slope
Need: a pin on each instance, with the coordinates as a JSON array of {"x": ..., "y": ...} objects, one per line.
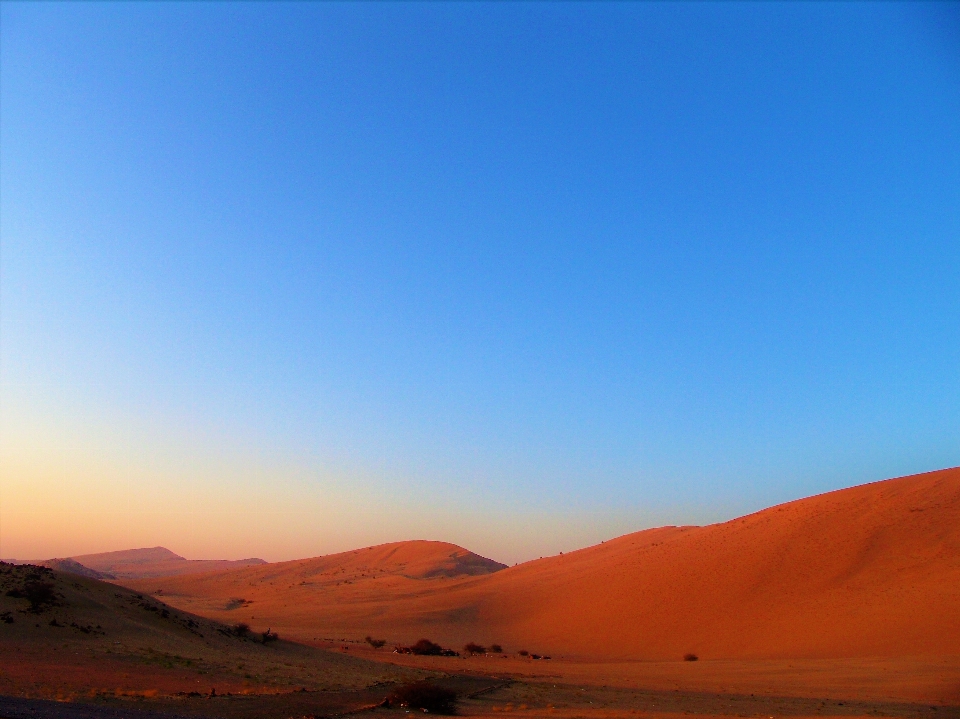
[{"x": 869, "y": 571}]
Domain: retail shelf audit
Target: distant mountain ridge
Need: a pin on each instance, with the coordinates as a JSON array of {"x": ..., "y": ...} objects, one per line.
[{"x": 145, "y": 563}]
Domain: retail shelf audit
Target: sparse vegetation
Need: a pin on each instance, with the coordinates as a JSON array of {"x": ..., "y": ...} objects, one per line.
[
  {"x": 375, "y": 643},
  {"x": 40, "y": 594},
  {"x": 496, "y": 649},
  {"x": 523, "y": 653},
  {"x": 269, "y": 636},
  {"x": 474, "y": 648},
  {"x": 425, "y": 647},
  {"x": 690, "y": 657},
  {"x": 426, "y": 696},
  {"x": 242, "y": 629}
]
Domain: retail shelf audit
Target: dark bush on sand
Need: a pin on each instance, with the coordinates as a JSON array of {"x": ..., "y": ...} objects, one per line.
[
  {"x": 375, "y": 643},
  {"x": 425, "y": 647},
  {"x": 425, "y": 696},
  {"x": 690, "y": 657},
  {"x": 474, "y": 648}
]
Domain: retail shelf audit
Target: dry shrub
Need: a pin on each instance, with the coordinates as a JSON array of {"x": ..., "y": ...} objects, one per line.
[
  {"x": 426, "y": 696},
  {"x": 269, "y": 636},
  {"x": 242, "y": 629},
  {"x": 375, "y": 643},
  {"x": 474, "y": 648},
  {"x": 690, "y": 657},
  {"x": 523, "y": 653},
  {"x": 496, "y": 649},
  {"x": 425, "y": 647}
]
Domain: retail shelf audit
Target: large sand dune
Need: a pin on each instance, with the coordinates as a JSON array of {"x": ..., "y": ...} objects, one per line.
[{"x": 869, "y": 571}]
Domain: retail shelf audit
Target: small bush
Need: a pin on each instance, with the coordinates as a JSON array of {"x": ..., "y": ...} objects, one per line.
[
  {"x": 425, "y": 647},
  {"x": 426, "y": 696},
  {"x": 474, "y": 648},
  {"x": 39, "y": 594},
  {"x": 496, "y": 649},
  {"x": 523, "y": 653},
  {"x": 375, "y": 643},
  {"x": 242, "y": 629},
  {"x": 690, "y": 657},
  {"x": 269, "y": 636}
]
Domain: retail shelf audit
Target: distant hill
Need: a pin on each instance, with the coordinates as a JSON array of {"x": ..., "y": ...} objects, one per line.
[
  {"x": 155, "y": 562},
  {"x": 137, "y": 564},
  {"x": 870, "y": 571},
  {"x": 74, "y": 567}
]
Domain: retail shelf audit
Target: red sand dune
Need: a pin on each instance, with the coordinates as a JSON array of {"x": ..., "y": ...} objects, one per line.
[{"x": 869, "y": 571}]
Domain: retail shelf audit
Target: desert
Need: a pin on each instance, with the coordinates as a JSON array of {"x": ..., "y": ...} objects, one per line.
[
  {"x": 839, "y": 604},
  {"x": 548, "y": 360}
]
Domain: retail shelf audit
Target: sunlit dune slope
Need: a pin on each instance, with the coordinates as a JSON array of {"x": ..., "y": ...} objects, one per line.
[{"x": 868, "y": 571}]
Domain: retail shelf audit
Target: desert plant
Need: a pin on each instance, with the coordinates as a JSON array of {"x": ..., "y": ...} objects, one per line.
[
  {"x": 424, "y": 695},
  {"x": 375, "y": 643},
  {"x": 39, "y": 594},
  {"x": 242, "y": 629},
  {"x": 474, "y": 648},
  {"x": 690, "y": 657},
  {"x": 425, "y": 647},
  {"x": 523, "y": 653},
  {"x": 496, "y": 649},
  {"x": 269, "y": 636}
]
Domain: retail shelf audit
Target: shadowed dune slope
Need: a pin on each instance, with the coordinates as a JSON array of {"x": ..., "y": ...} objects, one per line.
[
  {"x": 869, "y": 571},
  {"x": 62, "y": 632}
]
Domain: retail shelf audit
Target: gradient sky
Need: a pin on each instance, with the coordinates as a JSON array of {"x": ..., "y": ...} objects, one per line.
[{"x": 281, "y": 280}]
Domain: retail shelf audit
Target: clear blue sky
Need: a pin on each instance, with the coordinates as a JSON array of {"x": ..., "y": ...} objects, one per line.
[{"x": 281, "y": 279}]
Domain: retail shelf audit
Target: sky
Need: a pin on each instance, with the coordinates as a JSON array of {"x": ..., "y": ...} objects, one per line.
[{"x": 280, "y": 280}]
